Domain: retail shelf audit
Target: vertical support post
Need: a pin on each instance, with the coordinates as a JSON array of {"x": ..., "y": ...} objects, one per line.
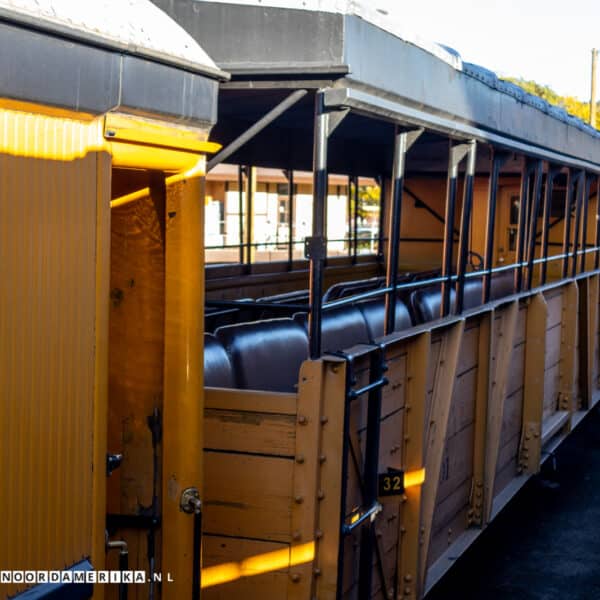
[
  {"x": 597, "y": 236},
  {"x": 403, "y": 140},
  {"x": 241, "y": 211},
  {"x": 497, "y": 162},
  {"x": 552, "y": 173},
  {"x": 350, "y": 228},
  {"x": 533, "y": 396},
  {"x": 355, "y": 233},
  {"x": 586, "y": 327},
  {"x": 579, "y": 197},
  {"x": 417, "y": 369},
  {"x": 319, "y": 245},
  {"x": 533, "y": 219},
  {"x": 522, "y": 226},
  {"x": 250, "y": 181},
  {"x": 568, "y": 348},
  {"x": 584, "y": 218},
  {"x": 457, "y": 153},
  {"x": 465, "y": 226},
  {"x": 183, "y": 407},
  {"x": 593, "y": 87},
  {"x": 291, "y": 198},
  {"x": 380, "y": 235},
  {"x": 571, "y": 181}
]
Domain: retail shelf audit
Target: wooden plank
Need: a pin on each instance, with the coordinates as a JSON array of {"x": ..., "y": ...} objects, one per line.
[
  {"x": 554, "y": 301},
  {"x": 248, "y": 496},
  {"x": 462, "y": 413},
  {"x": 457, "y": 463},
  {"x": 504, "y": 343},
  {"x": 250, "y": 432},
  {"x": 218, "y": 550},
  {"x": 533, "y": 400},
  {"x": 517, "y": 369},
  {"x": 586, "y": 342},
  {"x": 436, "y": 433},
  {"x": 553, "y": 341},
  {"x": 551, "y": 390},
  {"x": 568, "y": 378},
  {"x": 417, "y": 373},
  {"x": 513, "y": 416},
  {"x": 249, "y": 400},
  {"x": 333, "y": 406},
  {"x": 552, "y": 425}
]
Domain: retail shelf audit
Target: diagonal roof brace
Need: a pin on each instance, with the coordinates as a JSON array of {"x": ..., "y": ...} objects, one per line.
[{"x": 253, "y": 131}]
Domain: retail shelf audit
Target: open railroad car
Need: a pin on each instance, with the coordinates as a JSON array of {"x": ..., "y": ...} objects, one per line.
[{"x": 332, "y": 427}]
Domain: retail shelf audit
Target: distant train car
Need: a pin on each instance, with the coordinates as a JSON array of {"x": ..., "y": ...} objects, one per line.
[
  {"x": 101, "y": 103},
  {"x": 368, "y": 414}
]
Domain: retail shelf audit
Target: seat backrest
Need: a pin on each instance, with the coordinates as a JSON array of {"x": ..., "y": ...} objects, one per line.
[
  {"x": 217, "y": 366},
  {"x": 502, "y": 285},
  {"x": 426, "y": 303},
  {"x": 472, "y": 293},
  {"x": 295, "y": 297},
  {"x": 341, "y": 328},
  {"x": 344, "y": 289},
  {"x": 265, "y": 355},
  {"x": 374, "y": 314}
]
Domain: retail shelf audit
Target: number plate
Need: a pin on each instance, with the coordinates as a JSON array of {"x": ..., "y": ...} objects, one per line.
[{"x": 391, "y": 483}]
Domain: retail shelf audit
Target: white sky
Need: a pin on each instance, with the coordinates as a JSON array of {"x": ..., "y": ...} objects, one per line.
[{"x": 549, "y": 41}]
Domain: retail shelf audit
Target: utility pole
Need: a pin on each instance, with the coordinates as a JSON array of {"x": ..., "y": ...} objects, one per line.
[{"x": 593, "y": 94}]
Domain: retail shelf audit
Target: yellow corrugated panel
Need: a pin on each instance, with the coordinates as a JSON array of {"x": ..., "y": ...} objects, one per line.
[{"x": 47, "y": 339}]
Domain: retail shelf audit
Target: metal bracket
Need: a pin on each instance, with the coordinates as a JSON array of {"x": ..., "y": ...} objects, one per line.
[
  {"x": 334, "y": 118},
  {"x": 315, "y": 248},
  {"x": 190, "y": 502}
]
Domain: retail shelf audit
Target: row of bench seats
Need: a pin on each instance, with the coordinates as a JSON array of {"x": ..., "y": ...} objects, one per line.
[{"x": 266, "y": 355}]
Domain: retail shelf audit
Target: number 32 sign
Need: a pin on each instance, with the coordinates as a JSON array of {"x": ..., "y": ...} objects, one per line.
[{"x": 391, "y": 483}]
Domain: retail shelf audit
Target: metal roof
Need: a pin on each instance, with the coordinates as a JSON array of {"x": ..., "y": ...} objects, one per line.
[{"x": 375, "y": 72}]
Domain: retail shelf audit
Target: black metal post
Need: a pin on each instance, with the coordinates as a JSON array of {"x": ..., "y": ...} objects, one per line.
[
  {"x": 367, "y": 542},
  {"x": 533, "y": 219},
  {"x": 291, "y": 197},
  {"x": 241, "y": 211},
  {"x": 380, "y": 253},
  {"x": 249, "y": 209},
  {"x": 317, "y": 245},
  {"x": 522, "y": 226},
  {"x": 465, "y": 222},
  {"x": 403, "y": 140},
  {"x": 552, "y": 173},
  {"x": 579, "y": 194},
  {"x": 355, "y": 235},
  {"x": 497, "y": 162},
  {"x": 569, "y": 196},
  {"x": 584, "y": 218},
  {"x": 350, "y": 228},
  {"x": 457, "y": 153}
]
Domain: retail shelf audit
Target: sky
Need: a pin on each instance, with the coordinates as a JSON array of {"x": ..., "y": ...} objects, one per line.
[{"x": 549, "y": 41}]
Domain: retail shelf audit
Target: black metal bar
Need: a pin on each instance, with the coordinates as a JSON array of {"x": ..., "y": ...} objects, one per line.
[
  {"x": 552, "y": 173},
  {"x": 571, "y": 180},
  {"x": 374, "y": 385},
  {"x": 533, "y": 219},
  {"x": 291, "y": 198},
  {"x": 584, "y": 218},
  {"x": 197, "y": 556},
  {"x": 241, "y": 211},
  {"x": 367, "y": 541},
  {"x": 497, "y": 162},
  {"x": 380, "y": 236},
  {"x": 597, "y": 236},
  {"x": 578, "y": 206},
  {"x": 317, "y": 258},
  {"x": 457, "y": 153},
  {"x": 367, "y": 514},
  {"x": 521, "y": 227},
  {"x": 349, "y": 209},
  {"x": 273, "y": 114},
  {"x": 465, "y": 223},
  {"x": 249, "y": 215},
  {"x": 355, "y": 224}
]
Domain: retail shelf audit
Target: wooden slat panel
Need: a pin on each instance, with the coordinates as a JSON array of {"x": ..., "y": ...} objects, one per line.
[
  {"x": 553, "y": 340},
  {"x": 264, "y": 402},
  {"x": 253, "y": 432},
  {"x": 248, "y": 496},
  {"x": 551, "y": 390}
]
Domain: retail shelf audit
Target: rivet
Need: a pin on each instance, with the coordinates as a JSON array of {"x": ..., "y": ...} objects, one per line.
[
  {"x": 407, "y": 591},
  {"x": 335, "y": 368},
  {"x": 422, "y": 529},
  {"x": 402, "y": 529},
  {"x": 318, "y": 534},
  {"x": 408, "y": 578},
  {"x": 295, "y": 577},
  {"x": 378, "y": 533},
  {"x": 324, "y": 420},
  {"x": 404, "y": 497},
  {"x": 321, "y": 495},
  {"x": 407, "y": 438},
  {"x": 302, "y": 420},
  {"x": 322, "y": 458},
  {"x": 300, "y": 459},
  {"x": 299, "y": 499},
  {"x": 407, "y": 407},
  {"x": 296, "y": 536},
  {"x": 317, "y": 572}
]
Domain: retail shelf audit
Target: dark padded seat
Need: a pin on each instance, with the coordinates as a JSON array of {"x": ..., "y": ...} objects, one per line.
[
  {"x": 217, "y": 366},
  {"x": 295, "y": 297},
  {"x": 472, "y": 293},
  {"x": 341, "y": 328},
  {"x": 351, "y": 288},
  {"x": 426, "y": 303},
  {"x": 502, "y": 285},
  {"x": 374, "y": 314},
  {"x": 266, "y": 355}
]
